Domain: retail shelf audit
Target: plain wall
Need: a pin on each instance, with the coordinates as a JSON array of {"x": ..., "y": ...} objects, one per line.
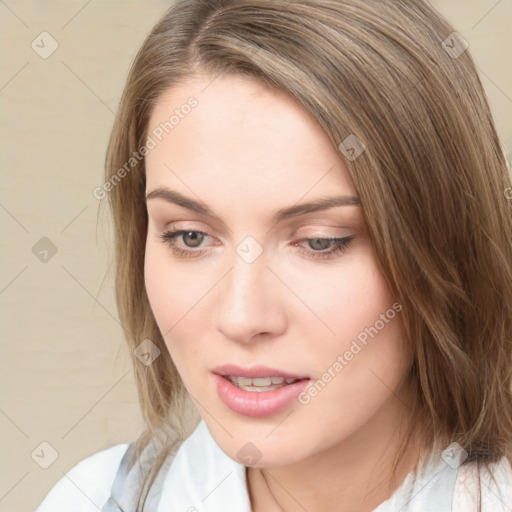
[{"x": 66, "y": 376}]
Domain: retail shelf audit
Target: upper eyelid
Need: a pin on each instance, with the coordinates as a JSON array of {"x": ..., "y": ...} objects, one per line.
[
  {"x": 350, "y": 226},
  {"x": 312, "y": 235},
  {"x": 336, "y": 213}
]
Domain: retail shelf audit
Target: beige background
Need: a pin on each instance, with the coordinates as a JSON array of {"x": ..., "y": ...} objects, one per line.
[{"x": 66, "y": 378}]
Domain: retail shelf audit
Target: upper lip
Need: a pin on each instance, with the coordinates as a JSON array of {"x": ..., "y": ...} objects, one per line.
[{"x": 254, "y": 372}]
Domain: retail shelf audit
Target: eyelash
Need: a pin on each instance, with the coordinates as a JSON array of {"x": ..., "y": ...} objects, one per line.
[{"x": 340, "y": 245}]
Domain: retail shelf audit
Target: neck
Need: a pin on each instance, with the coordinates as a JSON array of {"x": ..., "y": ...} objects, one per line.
[{"x": 356, "y": 474}]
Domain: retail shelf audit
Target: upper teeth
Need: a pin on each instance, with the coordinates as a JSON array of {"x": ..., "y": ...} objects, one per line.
[{"x": 260, "y": 381}]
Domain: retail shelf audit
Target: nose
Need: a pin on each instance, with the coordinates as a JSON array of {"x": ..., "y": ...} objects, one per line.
[{"x": 248, "y": 303}]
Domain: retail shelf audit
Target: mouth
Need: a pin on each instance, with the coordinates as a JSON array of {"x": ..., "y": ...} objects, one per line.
[
  {"x": 257, "y": 391},
  {"x": 260, "y": 384}
]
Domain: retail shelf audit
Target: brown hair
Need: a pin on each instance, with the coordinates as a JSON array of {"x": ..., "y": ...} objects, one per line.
[{"x": 432, "y": 184}]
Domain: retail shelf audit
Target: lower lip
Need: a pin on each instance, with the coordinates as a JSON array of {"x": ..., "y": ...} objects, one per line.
[{"x": 257, "y": 404}]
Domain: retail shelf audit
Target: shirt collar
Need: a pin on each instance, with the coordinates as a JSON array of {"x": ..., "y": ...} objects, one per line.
[{"x": 202, "y": 478}]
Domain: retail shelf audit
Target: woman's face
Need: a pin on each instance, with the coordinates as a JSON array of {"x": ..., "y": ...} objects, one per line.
[{"x": 243, "y": 299}]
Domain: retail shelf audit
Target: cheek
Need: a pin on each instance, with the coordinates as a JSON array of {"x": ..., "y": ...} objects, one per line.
[
  {"x": 364, "y": 357},
  {"x": 178, "y": 299},
  {"x": 171, "y": 292},
  {"x": 356, "y": 381},
  {"x": 361, "y": 378},
  {"x": 159, "y": 287},
  {"x": 346, "y": 300}
]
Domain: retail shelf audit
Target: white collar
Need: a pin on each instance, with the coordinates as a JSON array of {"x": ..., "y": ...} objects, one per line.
[{"x": 203, "y": 478}]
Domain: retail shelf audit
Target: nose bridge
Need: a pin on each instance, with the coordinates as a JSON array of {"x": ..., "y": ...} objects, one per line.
[{"x": 247, "y": 303}]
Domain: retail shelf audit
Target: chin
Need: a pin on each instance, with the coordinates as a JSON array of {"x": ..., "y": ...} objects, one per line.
[{"x": 252, "y": 446}]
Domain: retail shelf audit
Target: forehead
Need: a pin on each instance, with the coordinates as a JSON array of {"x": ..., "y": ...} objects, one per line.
[{"x": 241, "y": 140}]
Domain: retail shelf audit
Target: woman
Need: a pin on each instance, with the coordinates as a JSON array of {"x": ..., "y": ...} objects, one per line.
[{"x": 313, "y": 225}]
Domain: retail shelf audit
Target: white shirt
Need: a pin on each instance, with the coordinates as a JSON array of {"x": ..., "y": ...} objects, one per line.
[{"x": 202, "y": 478}]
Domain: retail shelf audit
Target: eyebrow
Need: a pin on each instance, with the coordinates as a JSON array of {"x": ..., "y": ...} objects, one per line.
[{"x": 323, "y": 203}]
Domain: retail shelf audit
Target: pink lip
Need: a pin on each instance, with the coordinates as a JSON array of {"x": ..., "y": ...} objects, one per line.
[
  {"x": 253, "y": 403},
  {"x": 254, "y": 372}
]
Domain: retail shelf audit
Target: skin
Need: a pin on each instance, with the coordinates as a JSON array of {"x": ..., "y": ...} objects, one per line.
[{"x": 247, "y": 151}]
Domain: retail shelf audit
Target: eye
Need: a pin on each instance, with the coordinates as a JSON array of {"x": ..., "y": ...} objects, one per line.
[
  {"x": 192, "y": 239},
  {"x": 335, "y": 246},
  {"x": 321, "y": 248}
]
